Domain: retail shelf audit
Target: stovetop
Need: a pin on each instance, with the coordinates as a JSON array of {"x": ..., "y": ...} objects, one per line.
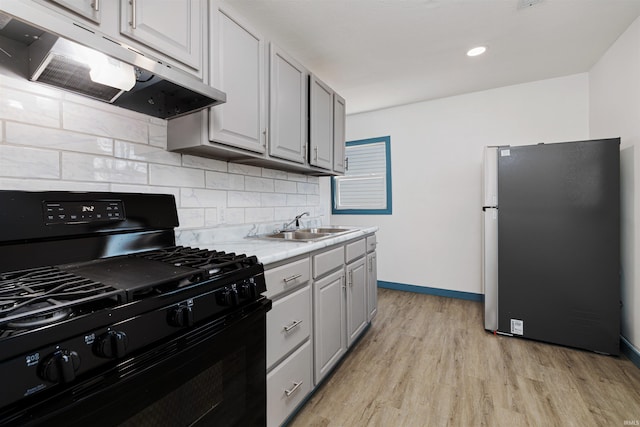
[{"x": 41, "y": 296}]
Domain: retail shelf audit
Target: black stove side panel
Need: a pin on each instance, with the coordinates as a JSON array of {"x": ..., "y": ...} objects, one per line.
[{"x": 29, "y": 239}]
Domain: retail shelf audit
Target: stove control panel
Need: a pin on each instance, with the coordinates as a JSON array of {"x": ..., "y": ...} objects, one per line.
[{"x": 83, "y": 212}]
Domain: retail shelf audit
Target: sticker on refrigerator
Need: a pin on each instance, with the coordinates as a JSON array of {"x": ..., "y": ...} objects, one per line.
[
  {"x": 505, "y": 153},
  {"x": 517, "y": 327}
]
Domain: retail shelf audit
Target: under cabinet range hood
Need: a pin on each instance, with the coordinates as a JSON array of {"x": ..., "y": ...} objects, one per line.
[{"x": 99, "y": 67}]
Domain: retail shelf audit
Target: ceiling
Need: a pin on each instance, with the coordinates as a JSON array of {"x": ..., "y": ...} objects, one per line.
[{"x": 381, "y": 53}]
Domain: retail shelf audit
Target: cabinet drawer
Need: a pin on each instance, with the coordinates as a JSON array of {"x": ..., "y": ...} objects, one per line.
[
  {"x": 285, "y": 277},
  {"x": 327, "y": 261},
  {"x": 371, "y": 243},
  {"x": 288, "y": 324},
  {"x": 355, "y": 250},
  {"x": 288, "y": 384}
]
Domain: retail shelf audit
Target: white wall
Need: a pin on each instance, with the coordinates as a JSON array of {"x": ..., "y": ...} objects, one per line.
[
  {"x": 54, "y": 140},
  {"x": 433, "y": 237},
  {"x": 614, "y": 85}
]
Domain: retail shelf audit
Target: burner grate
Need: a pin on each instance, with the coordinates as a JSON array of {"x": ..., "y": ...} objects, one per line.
[
  {"x": 209, "y": 261},
  {"x": 44, "y": 295}
]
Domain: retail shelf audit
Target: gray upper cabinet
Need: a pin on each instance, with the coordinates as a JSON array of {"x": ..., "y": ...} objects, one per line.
[
  {"x": 238, "y": 68},
  {"x": 320, "y": 123},
  {"x": 287, "y": 106},
  {"x": 339, "y": 111},
  {"x": 172, "y": 27},
  {"x": 89, "y": 9}
]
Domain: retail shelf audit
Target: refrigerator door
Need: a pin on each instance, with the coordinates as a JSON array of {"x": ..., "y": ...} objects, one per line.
[
  {"x": 559, "y": 243},
  {"x": 490, "y": 238}
]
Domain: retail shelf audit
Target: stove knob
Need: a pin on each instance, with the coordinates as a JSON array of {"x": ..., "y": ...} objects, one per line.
[
  {"x": 181, "y": 316},
  {"x": 60, "y": 367},
  {"x": 113, "y": 344},
  {"x": 249, "y": 290},
  {"x": 229, "y": 296}
]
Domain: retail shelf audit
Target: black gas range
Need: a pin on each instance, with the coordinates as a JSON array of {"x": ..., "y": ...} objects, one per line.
[{"x": 105, "y": 321}]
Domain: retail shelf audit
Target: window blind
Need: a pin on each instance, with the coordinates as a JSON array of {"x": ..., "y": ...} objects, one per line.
[{"x": 364, "y": 185}]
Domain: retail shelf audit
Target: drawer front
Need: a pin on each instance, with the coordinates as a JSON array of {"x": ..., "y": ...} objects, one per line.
[
  {"x": 288, "y": 324},
  {"x": 355, "y": 250},
  {"x": 371, "y": 243},
  {"x": 288, "y": 385},
  {"x": 286, "y": 277},
  {"x": 327, "y": 261}
]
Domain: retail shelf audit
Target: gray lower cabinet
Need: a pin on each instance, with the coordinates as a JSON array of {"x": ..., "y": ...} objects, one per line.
[
  {"x": 372, "y": 277},
  {"x": 322, "y": 302},
  {"x": 329, "y": 322}
]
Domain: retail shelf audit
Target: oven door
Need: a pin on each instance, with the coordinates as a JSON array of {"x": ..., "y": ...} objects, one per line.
[{"x": 213, "y": 375}]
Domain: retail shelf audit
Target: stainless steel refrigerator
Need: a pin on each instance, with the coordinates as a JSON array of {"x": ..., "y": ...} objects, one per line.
[{"x": 551, "y": 243}]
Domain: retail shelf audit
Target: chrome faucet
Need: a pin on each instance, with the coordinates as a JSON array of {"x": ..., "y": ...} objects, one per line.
[{"x": 296, "y": 220}]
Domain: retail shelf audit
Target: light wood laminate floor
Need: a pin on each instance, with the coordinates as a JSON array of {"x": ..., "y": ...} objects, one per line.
[{"x": 427, "y": 361}]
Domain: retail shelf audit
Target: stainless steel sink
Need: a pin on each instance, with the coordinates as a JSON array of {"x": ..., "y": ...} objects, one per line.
[{"x": 307, "y": 234}]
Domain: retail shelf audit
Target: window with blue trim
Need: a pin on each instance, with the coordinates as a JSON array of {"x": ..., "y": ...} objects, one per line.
[{"x": 365, "y": 188}]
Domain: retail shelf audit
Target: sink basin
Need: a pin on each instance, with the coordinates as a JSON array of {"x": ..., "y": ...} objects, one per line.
[
  {"x": 307, "y": 234},
  {"x": 296, "y": 235}
]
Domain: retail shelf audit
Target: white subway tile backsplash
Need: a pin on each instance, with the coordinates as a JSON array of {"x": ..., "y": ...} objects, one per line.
[
  {"x": 245, "y": 169},
  {"x": 204, "y": 163},
  {"x": 253, "y": 215},
  {"x": 262, "y": 185},
  {"x": 313, "y": 179},
  {"x": 274, "y": 199},
  {"x": 146, "y": 153},
  {"x": 231, "y": 216},
  {"x": 84, "y": 167},
  {"x": 285, "y": 186},
  {"x": 57, "y": 139},
  {"x": 191, "y": 218},
  {"x": 243, "y": 199},
  {"x": 197, "y": 197},
  {"x": 296, "y": 199},
  {"x": 305, "y": 188},
  {"x": 23, "y": 184},
  {"x": 210, "y": 217},
  {"x": 29, "y": 108},
  {"x": 272, "y": 173},
  {"x": 296, "y": 177},
  {"x": 82, "y": 118},
  {"x": 29, "y": 162},
  {"x": 224, "y": 181},
  {"x": 175, "y": 176},
  {"x": 127, "y": 188}
]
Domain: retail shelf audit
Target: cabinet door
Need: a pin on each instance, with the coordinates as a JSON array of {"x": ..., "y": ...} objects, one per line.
[
  {"x": 287, "y": 107},
  {"x": 339, "y": 114},
  {"x": 329, "y": 327},
  {"x": 89, "y": 9},
  {"x": 372, "y": 286},
  {"x": 356, "y": 299},
  {"x": 237, "y": 68},
  {"x": 172, "y": 27},
  {"x": 320, "y": 123}
]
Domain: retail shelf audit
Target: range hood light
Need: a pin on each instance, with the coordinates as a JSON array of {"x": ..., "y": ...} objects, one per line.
[{"x": 111, "y": 72}]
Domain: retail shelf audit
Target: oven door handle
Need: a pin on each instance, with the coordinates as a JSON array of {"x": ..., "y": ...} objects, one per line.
[{"x": 296, "y": 385}]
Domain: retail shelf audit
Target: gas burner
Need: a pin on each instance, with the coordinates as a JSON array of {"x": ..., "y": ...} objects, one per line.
[
  {"x": 28, "y": 320},
  {"x": 39, "y": 296},
  {"x": 210, "y": 262}
]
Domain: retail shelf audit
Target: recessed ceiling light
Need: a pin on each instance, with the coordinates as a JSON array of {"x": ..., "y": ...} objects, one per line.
[{"x": 476, "y": 51}]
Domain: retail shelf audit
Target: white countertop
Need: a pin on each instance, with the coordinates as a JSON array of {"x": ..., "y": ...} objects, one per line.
[{"x": 270, "y": 251}]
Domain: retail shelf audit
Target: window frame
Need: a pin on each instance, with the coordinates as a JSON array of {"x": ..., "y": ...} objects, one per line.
[{"x": 384, "y": 211}]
